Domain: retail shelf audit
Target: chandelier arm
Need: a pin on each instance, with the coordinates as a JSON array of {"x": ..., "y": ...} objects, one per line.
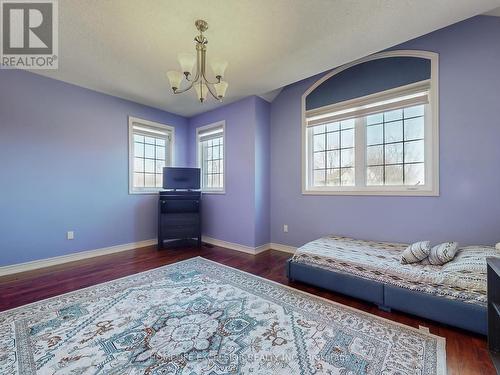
[
  {"x": 186, "y": 89},
  {"x": 207, "y": 81},
  {"x": 209, "y": 86}
]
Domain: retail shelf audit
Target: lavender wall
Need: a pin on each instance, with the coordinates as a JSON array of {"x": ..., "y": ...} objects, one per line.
[
  {"x": 468, "y": 209},
  {"x": 64, "y": 152},
  {"x": 262, "y": 172},
  {"x": 241, "y": 215}
]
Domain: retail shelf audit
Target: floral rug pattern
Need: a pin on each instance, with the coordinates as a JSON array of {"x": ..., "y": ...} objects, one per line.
[{"x": 199, "y": 317}]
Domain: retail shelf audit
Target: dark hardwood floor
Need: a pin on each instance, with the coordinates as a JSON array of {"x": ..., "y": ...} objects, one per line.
[{"x": 466, "y": 352}]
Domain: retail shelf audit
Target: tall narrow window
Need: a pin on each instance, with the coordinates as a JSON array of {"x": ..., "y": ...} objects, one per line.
[
  {"x": 210, "y": 140},
  {"x": 150, "y": 149}
]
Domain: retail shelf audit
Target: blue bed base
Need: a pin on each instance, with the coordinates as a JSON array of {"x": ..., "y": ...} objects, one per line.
[{"x": 444, "y": 310}]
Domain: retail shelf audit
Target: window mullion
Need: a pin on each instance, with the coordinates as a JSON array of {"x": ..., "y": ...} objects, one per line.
[{"x": 360, "y": 152}]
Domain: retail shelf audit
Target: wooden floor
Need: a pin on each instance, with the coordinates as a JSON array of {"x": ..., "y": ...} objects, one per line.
[{"x": 466, "y": 353}]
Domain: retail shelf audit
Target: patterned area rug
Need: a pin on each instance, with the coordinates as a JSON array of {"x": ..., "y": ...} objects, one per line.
[{"x": 199, "y": 317}]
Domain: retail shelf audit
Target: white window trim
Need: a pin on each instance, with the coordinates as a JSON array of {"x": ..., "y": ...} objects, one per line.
[
  {"x": 202, "y": 129},
  {"x": 170, "y": 152},
  {"x": 431, "y": 153}
]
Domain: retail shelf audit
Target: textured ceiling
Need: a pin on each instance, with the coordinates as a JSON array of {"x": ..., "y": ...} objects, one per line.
[
  {"x": 125, "y": 47},
  {"x": 494, "y": 12}
]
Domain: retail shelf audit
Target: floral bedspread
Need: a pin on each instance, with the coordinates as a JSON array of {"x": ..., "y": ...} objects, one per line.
[{"x": 380, "y": 261}]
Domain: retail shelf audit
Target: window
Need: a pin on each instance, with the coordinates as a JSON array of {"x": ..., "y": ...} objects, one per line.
[
  {"x": 380, "y": 144},
  {"x": 210, "y": 141},
  {"x": 150, "y": 149}
]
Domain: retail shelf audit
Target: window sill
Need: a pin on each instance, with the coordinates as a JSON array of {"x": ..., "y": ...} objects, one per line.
[
  {"x": 213, "y": 192},
  {"x": 396, "y": 193},
  {"x": 151, "y": 192}
]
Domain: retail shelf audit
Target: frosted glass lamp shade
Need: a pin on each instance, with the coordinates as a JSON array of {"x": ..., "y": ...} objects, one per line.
[
  {"x": 187, "y": 61},
  {"x": 201, "y": 91},
  {"x": 219, "y": 68},
  {"x": 220, "y": 89},
  {"x": 175, "y": 79}
]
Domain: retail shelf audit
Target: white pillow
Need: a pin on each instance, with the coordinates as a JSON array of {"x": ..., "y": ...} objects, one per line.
[
  {"x": 442, "y": 253},
  {"x": 416, "y": 252}
]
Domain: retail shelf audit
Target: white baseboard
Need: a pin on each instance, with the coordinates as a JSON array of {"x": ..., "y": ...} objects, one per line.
[
  {"x": 248, "y": 249},
  {"x": 42, "y": 263},
  {"x": 284, "y": 248}
]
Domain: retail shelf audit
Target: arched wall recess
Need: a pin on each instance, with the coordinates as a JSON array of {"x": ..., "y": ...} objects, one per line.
[{"x": 421, "y": 83}]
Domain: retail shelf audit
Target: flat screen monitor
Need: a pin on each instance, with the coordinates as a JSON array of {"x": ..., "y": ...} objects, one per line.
[{"x": 181, "y": 178}]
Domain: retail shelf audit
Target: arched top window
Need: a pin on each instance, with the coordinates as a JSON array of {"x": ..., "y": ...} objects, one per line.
[{"x": 371, "y": 127}]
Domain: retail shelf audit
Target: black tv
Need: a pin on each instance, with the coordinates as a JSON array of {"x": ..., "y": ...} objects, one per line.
[{"x": 181, "y": 178}]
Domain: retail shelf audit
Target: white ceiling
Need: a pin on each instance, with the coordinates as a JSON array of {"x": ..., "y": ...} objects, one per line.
[
  {"x": 494, "y": 12},
  {"x": 125, "y": 47}
]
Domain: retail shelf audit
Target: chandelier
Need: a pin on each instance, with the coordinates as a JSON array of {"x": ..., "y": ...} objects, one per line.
[{"x": 199, "y": 80}]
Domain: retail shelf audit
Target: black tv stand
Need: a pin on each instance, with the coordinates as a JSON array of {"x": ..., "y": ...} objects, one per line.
[{"x": 179, "y": 216}]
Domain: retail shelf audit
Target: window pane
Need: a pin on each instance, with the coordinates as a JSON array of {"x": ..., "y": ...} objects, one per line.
[
  {"x": 160, "y": 152},
  {"x": 159, "y": 180},
  {"x": 394, "y": 153},
  {"x": 393, "y": 115},
  {"x": 149, "y": 151},
  {"x": 333, "y": 141},
  {"x": 375, "y": 119},
  {"x": 160, "y": 142},
  {"x": 216, "y": 152},
  {"x": 221, "y": 151},
  {"x": 347, "y": 124},
  {"x": 414, "y": 111},
  {"x": 139, "y": 149},
  {"x": 208, "y": 151},
  {"x": 333, "y": 177},
  {"x": 138, "y": 180},
  {"x": 414, "y": 174},
  {"x": 347, "y": 138},
  {"x": 210, "y": 167},
  {"x": 319, "y": 160},
  {"x": 347, "y": 158},
  {"x": 333, "y": 127},
  {"x": 216, "y": 166},
  {"x": 138, "y": 138},
  {"x": 319, "y": 129},
  {"x": 319, "y": 178},
  {"x": 347, "y": 176},
  {"x": 394, "y": 132},
  {"x": 414, "y": 128},
  {"x": 149, "y": 180},
  {"x": 375, "y": 175},
  {"x": 375, "y": 134},
  {"x": 149, "y": 140},
  {"x": 333, "y": 159},
  {"x": 215, "y": 180},
  {"x": 319, "y": 142},
  {"x": 414, "y": 151},
  {"x": 149, "y": 166},
  {"x": 394, "y": 175},
  {"x": 138, "y": 165},
  {"x": 375, "y": 155},
  {"x": 160, "y": 164}
]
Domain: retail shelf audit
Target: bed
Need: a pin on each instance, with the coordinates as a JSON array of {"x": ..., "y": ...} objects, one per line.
[{"x": 454, "y": 293}]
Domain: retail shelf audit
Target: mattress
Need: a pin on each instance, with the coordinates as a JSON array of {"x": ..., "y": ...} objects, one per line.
[{"x": 462, "y": 279}]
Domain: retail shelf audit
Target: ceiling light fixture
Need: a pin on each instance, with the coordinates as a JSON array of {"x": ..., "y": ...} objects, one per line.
[{"x": 199, "y": 80}]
